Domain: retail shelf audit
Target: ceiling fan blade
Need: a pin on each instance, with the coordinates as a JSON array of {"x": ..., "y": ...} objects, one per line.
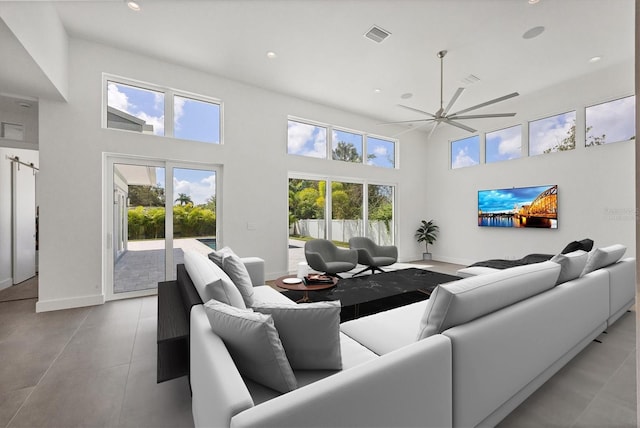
[
  {"x": 410, "y": 129},
  {"x": 405, "y": 121},
  {"x": 496, "y": 100},
  {"x": 416, "y": 110},
  {"x": 480, "y": 116},
  {"x": 459, "y": 125},
  {"x": 459, "y": 92},
  {"x": 435, "y": 125}
]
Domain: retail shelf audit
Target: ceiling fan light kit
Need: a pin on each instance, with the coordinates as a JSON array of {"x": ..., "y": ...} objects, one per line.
[{"x": 442, "y": 114}]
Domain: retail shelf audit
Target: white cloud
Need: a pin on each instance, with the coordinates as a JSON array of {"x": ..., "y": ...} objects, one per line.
[
  {"x": 156, "y": 121},
  {"x": 178, "y": 110},
  {"x": 510, "y": 147},
  {"x": 120, "y": 101},
  {"x": 199, "y": 191},
  {"x": 615, "y": 119},
  {"x": 463, "y": 159},
  {"x": 117, "y": 99},
  {"x": 301, "y": 140}
]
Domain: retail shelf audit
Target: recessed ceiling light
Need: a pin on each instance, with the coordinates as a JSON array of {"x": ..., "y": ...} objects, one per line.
[
  {"x": 377, "y": 90},
  {"x": 133, "y": 5},
  {"x": 533, "y": 1},
  {"x": 533, "y": 32},
  {"x": 271, "y": 55},
  {"x": 406, "y": 95},
  {"x": 595, "y": 59}
]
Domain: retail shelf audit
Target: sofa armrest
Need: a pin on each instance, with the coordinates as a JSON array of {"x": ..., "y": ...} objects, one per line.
[
  {"x": 255, "y": 267},
  {"x": 409, "y": 387},
  {"x": 218, "y": 391}
]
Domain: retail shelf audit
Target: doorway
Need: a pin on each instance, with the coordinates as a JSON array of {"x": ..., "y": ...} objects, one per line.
[{"x": 155, "y": 210}]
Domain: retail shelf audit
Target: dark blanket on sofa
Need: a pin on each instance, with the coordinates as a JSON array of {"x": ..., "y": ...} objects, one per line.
[
  {"x": 504, "y": 264},
  {"x": 584, "y": 245}
]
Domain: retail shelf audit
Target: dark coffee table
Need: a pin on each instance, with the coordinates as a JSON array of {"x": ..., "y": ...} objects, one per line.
[{"x": 364, "y": 295}]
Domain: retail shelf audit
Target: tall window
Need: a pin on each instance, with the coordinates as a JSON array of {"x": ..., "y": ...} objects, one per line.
[
  {"x": 380, "y": 213},
  {"x": 465, "y": 152},
  {"x": 611, "y": 122},
  {"x": 553, "y": 134},
  {"x": 134, "y": 106},
  {"x": 346, "y": 211},
  {"x": 504, "y": 144}
]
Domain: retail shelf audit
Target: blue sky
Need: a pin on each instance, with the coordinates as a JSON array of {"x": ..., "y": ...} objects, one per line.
[
  {"x": 504, "y": 144},
  {"x": 465, "y": 152},
  {"x": 505, "y": 200}
]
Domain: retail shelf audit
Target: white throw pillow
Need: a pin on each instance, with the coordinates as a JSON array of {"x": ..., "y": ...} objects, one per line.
[
  {"x": 310, "y": 333},
  {"x": 237, "y": 271},
  {"x": 571, "y": 265},
  {"x": 210, "y": 281},
  {"x": 217, "y": 255},
  {"x": 462, "y": 301},
  {"x": 605, "y": 256},
  {"x": 254, "y": 345}
]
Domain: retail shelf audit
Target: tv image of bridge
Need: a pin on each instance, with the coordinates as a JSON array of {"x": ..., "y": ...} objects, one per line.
[{"x": 525, "y": 207}]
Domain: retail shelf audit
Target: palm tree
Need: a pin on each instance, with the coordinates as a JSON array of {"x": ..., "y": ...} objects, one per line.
[{"x": 184, "y": 199}]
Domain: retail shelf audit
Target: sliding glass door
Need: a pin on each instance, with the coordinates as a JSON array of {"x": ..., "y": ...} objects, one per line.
[
  {"x": 159, "y": 210},
  {"x": 338, "y": 214}
]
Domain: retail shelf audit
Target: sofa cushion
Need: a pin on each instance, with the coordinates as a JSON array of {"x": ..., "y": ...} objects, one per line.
[
  {"x": 462, "y": 301},
  {"x": 254, "y": 344},
  {"x": 571, "y": 265},
  {"x": 386, "y": 331},
  {"x": 210, "y": 281},
  {"x": 310, "y": 333},
  {"x": 605, "y": 256}
]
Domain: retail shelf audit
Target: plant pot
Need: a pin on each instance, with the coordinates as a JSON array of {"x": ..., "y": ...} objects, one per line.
[{"x": 426, "y": 256}]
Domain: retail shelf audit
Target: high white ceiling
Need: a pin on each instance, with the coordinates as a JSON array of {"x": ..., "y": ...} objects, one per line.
[{"x": 323, "y": 56}]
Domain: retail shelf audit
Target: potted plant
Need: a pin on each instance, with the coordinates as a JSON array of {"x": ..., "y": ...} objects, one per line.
[{"x": 427, "y": 233}]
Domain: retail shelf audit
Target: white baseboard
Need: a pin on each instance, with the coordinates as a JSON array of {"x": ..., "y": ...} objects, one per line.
[
  {"x": 73, "y": 302},
  {"x": 6, "y": 283}
]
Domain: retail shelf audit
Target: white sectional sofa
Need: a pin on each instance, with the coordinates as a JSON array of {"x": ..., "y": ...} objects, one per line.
[{"x": 466, "y": 357}]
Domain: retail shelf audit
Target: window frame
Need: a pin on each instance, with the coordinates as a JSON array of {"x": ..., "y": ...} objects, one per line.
[{"x": 169, "y": 112}]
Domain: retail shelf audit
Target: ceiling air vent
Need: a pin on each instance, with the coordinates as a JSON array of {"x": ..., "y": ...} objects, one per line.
[{"x": 377, "y": 34}]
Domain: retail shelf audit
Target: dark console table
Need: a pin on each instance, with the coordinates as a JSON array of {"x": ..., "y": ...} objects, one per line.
[{"x": 175, "y": 299}]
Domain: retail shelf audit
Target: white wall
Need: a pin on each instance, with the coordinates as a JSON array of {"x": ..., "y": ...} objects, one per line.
[
  {"x": 38, "y": 28},
  {"x": 12, "y": 112},
  {"x": 6, "y": 261},
  {"x": 596, "y": 185},
  {"x": 254, "y": 159}
]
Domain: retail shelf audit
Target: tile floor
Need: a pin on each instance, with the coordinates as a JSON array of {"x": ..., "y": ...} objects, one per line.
[{"x": 96, "y": 366}]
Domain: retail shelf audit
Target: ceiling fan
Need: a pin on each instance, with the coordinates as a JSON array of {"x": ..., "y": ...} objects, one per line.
[{"x": 443, "y": 115}]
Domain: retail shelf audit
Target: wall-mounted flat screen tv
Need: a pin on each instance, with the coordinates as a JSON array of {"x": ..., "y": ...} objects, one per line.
[{"x": 535, "y": 206}]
